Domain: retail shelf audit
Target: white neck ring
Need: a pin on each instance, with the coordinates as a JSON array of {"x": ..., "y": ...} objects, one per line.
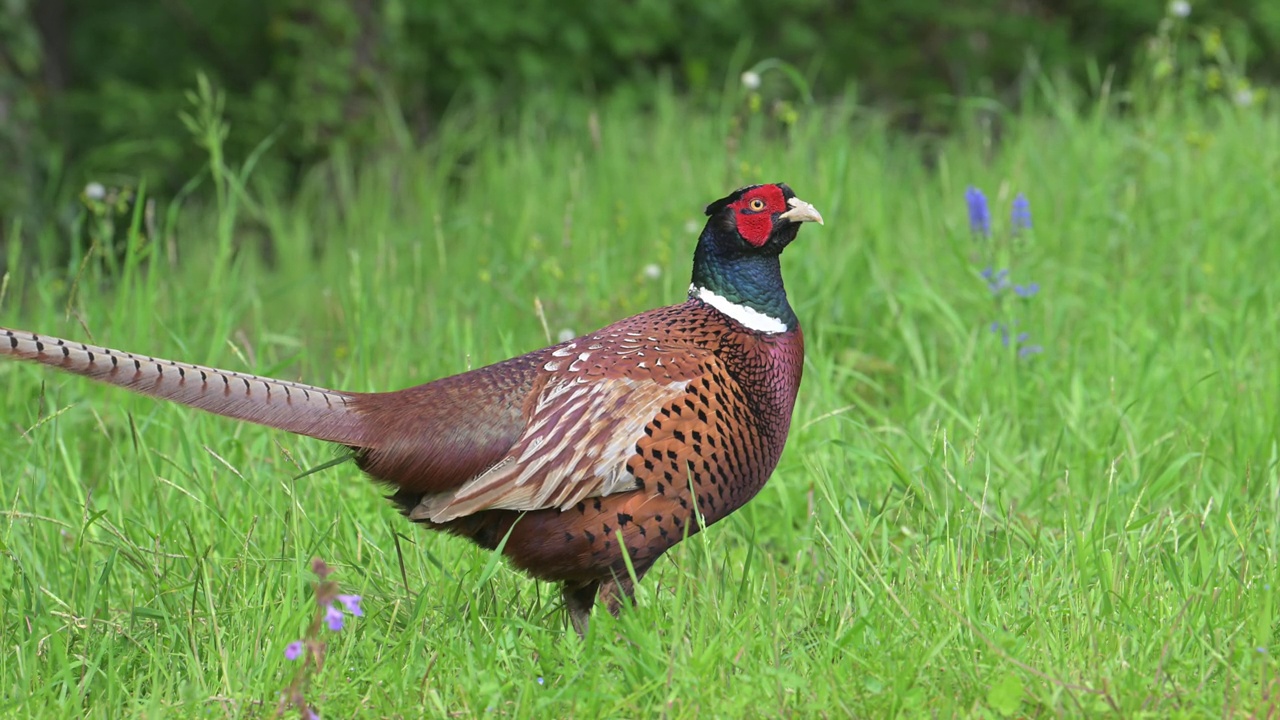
[{"x": 749, "y": 317}]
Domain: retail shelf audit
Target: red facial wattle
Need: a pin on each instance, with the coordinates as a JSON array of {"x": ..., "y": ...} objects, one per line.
[
  {"x": 754, "y": 227},
  {"x": 755, "y": 212}
]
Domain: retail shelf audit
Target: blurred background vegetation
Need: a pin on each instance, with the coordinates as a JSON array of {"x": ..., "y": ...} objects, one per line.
[{"x": 99, "y": 101}]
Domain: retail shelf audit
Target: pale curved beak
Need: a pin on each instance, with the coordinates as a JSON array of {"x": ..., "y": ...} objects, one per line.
[{"x": 801, "y": 211}]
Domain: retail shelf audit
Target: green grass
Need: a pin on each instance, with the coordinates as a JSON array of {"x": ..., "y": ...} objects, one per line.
[{"x": 952, "y": 530}]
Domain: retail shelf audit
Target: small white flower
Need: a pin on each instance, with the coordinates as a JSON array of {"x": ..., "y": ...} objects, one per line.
[
  {"x": 691, "y": 226},
  {"x": 1180, "y": 8},
  {"x": 565, "y": 335},
  {"x": 751, "y": 80},
  {"x": 95, "y": 191},
  {"x": 1244, "y": 97},
  {"x": 652, "y": 271}
]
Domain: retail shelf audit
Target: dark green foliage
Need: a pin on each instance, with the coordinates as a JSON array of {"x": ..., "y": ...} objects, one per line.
[{"x": 93, "y": 91}]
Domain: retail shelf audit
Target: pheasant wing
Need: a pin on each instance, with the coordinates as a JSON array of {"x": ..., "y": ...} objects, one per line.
[{"x": 603, "y": 394}]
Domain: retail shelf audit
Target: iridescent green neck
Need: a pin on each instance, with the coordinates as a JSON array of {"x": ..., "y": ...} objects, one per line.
[{"x": 747, "y": 287}]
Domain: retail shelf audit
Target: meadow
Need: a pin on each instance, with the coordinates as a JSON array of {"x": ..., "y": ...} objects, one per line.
[{"x": 1079, "y": 522}]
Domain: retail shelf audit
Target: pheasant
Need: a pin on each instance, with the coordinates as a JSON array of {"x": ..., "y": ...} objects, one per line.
[{"x": 585, "y": 456}]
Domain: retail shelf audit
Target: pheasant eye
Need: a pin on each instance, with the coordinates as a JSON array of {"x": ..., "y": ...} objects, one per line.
[{"x": 756, "y": 204}]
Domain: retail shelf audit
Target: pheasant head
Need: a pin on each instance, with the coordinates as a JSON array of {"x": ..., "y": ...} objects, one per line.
[{"x": 736, "y": 267}]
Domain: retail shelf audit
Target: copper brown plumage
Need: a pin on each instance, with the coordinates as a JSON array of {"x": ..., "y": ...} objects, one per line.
[{"x": 586, "y": 456}]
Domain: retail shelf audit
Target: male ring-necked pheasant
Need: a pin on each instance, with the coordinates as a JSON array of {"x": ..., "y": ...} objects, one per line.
[{"x": 627, "y": 439}]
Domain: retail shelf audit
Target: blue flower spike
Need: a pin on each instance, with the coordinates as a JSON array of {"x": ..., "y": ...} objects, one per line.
[
  {"x": 1021, "y": 214},
  {"x": 999, "y": 280},
  {"x": 979, "y": 212}
]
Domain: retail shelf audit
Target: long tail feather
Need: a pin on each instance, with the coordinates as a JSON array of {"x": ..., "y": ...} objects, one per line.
[{"x": 304, "y": 409}]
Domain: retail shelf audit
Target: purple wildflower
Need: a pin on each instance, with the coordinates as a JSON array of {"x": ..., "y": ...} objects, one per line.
[
  {"x": 1021, "y": 215},
  {"x": 333, "y": 616},
  {"x": 351, "y": 603},
  {"x": 997, "y": 281},
  {"x": 330, "y": 608},
  {"x": 1019, "y": 341},
  {"x": 979, "y": 212},
  {"x": 998, "y": 327}
]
